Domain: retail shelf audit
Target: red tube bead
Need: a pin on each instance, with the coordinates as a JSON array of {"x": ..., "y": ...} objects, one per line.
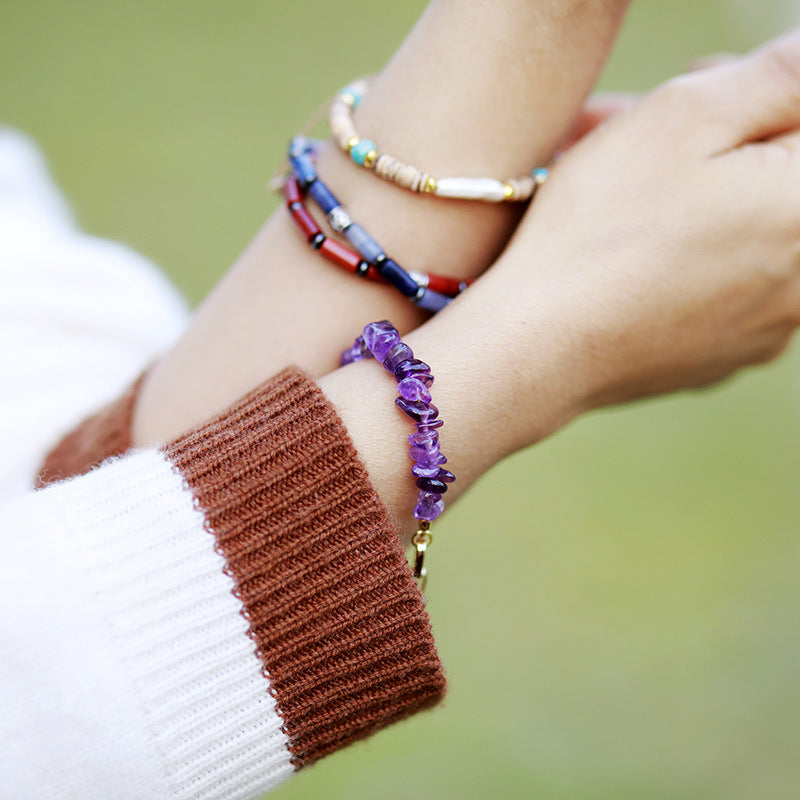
[
  {"x": 347, "y": 258},
  {"x": 444, "y": 285},
  {"x": 305, "y": 221},
  {"x": 340, "y": 254},
  {"x": 291, "y": 191}
]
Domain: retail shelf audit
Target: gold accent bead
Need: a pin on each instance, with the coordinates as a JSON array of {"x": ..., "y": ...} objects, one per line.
[
  {"x": 352, "y": 142},
  {"x": 430, "y": 185},
  {"x": 508, "y": 191},
  {"x": 370, "y": 158}
]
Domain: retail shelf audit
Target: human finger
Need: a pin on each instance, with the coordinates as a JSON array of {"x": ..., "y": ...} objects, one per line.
[{"x": 746, "y": 99}]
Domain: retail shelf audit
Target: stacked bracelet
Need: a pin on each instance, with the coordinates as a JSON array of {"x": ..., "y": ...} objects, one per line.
[
  {"x": 365, "y": 153},
  {"x": 347, "y": 258},
  {"x": 381, "y": 341},
  {"x": 304, "y": 170}
]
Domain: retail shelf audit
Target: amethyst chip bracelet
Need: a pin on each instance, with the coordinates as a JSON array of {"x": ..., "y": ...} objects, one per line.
[{"x": 381, "y": 341}]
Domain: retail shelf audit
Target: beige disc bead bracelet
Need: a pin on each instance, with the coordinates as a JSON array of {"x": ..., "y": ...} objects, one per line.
[{"x": 364, "y": 152}]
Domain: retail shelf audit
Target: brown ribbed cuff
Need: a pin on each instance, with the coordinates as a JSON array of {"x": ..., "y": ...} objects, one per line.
[
  {"x": 103, "y": 435},
  {"x": 334, "y": 611}
]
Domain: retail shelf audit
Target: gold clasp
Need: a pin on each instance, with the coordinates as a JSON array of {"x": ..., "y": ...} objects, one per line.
[{"x": 422, "y": 538}]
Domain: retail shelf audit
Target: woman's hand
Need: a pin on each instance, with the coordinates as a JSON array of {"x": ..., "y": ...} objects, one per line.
[
  {"x": 664, "y": 253},
  {"x": 670, "y": 237}
]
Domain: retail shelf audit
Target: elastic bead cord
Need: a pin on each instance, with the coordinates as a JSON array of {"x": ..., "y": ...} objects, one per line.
[
  {"x": 381, "y": 341},
  {"x": 421, "y": 293},
  {"x": 365, "y": 153}
]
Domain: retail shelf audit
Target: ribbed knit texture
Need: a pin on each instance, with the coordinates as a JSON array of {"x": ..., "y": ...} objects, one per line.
[
  {"x": 334, "y": 611},
  {"x": 157, "y": 675},
  {"x": 103, "y": 435}
]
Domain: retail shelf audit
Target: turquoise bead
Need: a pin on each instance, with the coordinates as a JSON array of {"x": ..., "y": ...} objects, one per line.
[
  {"x": 353, "y": 95},
  {"x": 540, "y": 174},
  {"x": 360, "y": 150}
]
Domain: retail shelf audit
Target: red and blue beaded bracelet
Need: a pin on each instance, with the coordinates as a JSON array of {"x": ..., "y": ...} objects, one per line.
[{"x": 418, "y": 287}]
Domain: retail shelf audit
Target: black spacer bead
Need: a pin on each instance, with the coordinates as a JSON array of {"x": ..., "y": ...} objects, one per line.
[
  {"x": 317, "y": 241},
  {"x": 362, "y": 269}
]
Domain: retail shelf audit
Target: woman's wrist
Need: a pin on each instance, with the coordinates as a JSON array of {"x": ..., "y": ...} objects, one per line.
[{"x": 507, "y": 376}]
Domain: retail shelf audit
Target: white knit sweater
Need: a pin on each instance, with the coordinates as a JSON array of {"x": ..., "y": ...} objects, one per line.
[{"x": 198, "y": 621}]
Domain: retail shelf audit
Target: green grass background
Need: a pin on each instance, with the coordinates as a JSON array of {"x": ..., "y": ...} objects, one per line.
[{"x": 618, "y": 607}]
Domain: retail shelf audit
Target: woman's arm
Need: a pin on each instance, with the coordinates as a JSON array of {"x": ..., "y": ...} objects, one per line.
[
  {"x": 201, "y": 621},
  {"x": 477, "y": 88},
  {"x": 661, "y": 255}
]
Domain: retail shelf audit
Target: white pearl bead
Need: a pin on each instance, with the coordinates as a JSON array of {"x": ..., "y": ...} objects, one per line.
[{"x": 471, "y": 189}]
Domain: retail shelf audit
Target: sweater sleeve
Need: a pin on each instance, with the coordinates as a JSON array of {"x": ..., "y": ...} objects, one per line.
[
  {"x": 80, "y": 316},
  {"x": 203, "y": 620}
]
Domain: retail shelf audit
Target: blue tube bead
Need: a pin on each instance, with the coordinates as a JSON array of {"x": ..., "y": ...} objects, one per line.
[
  {"x": 369, "y": 249},
  {"x": 397, "y": 276},
  {"x": 430, "y": 300},
  {"x": 323, "y": 197},
  {"x": 299, "y": 146},
  {"x": 304, "y": 169}
]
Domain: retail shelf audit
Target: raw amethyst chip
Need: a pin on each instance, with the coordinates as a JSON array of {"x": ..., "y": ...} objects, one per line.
[
  {"x": 446, "y": 476},
  {"x": 414, "y": 389},
  {"x": 414, "y": 368},
  {"x": 429, "y": 424},
  {"x": 425, "y": 439},
  {"x": 429, "y": 506},
  {"x": 425, "y": 472},
  {"x": 375, "y": 329},
  {"x": 431, "y": 460},
  {"x": 398, "y": 353},
  {"x": 417, "y": 410},
  {"x": 428, "y": 456},
  {"x": 383, "y": 343},
  {"x": 432, "y": 485}
]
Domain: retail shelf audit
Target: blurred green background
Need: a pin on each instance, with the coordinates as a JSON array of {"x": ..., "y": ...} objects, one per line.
[{"x": 617, "y": 608}]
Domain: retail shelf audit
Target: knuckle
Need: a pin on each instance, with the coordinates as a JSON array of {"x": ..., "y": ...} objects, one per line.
[{"x": 685, "y": 96}]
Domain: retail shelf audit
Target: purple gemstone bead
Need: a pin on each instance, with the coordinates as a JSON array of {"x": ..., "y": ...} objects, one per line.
[
  {"x": 375, "y": 329},
  {"x": 414, "y": 389},
  {"x": 414, "y": 368},
  {"x": 399, "y": 353},
  {"x": 360, "y": 345},
  {"x": 431, "y": 463},
  {"x": 429, "y": 506},
  {"x": 431, "y": 459},
  {"x": 420, "y": 471},
  {"x": 380, "y": 337},
  {"x": 417, "y": 410},
  {"x": 425, "y": 439},
  {"x": 425, "y": 454},
  {"x": 446, "y": 476},
  {"x": 427, "y": 425},
  {"x": 432, "y": 485},
  {"x": 383, "y": 343}
]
